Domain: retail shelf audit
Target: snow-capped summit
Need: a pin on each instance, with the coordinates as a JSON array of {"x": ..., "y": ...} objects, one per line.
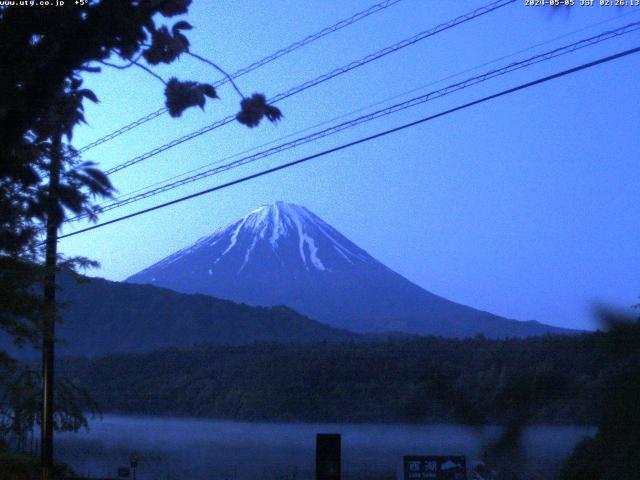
[
  {"x": 283, "y": 254},
  {"x": 285, "y": 233}
]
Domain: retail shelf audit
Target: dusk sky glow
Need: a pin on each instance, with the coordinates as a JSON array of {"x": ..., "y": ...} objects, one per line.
[{"x": 526, "y": 206}]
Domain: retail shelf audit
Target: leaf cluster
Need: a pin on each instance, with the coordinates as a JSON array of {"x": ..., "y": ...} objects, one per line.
[
  {"x": 42, "y": 53},
  {"x": 166, "y": 46},
  {"x": 255, "y": 108},
  {"x": 182, "y": 95}
]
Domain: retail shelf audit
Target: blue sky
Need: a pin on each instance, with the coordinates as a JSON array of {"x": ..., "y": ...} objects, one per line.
[{"x": 526, "y": 206}]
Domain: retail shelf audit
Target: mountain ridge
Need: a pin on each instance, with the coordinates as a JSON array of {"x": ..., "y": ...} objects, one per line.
[
  {"x": 284, "y": 254},
  {"x": 100, "y": 317}
]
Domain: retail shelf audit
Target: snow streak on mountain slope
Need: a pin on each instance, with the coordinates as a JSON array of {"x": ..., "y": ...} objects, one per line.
[
  {"x": 284, "y": 254},
  {"x": 272, "y": 228}
]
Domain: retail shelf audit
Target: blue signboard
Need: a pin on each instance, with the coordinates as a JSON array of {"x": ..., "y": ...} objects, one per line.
[{"x": 434, "y": 467}]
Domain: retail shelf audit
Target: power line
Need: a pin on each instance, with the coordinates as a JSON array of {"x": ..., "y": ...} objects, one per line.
[
  {"x": 371, "y": 105},
  {"x": 255, "y": 65},
  {"x": 321, "y": 79},
  {"x": 588, "y": 42},
  {"x": 362, "y": 140}
]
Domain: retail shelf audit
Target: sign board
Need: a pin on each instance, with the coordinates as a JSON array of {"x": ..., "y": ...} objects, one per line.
[
  {"x": 434, "y": 467},
  {"x": 123, "y": 472},
  {"x": 328, "y": 456}
]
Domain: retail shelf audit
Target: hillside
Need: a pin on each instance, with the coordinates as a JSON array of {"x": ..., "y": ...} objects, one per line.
[{"x": 102, "y": 317}]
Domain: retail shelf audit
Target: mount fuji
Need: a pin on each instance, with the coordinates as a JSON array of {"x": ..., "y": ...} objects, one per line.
[{"x": 283, "y": 254}]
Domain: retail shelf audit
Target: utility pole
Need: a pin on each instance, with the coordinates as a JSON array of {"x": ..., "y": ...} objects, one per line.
[{"x": 48, "y": 330}]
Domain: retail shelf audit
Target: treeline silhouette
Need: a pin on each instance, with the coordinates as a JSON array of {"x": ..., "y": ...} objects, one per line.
[{"x": 548, "y": 379}]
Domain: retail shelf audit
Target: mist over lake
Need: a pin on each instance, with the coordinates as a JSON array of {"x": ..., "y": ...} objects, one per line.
[{"x": 197, "y": 449}]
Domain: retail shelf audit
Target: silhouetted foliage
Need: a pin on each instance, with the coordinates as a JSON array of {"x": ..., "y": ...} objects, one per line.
[
  {"x": 14, "y": 466},
  {"x": 182, "y": 95},
  {"x": 167, "y": 45},
  {"x": 21, "y": 404},
  {"x": 43, "y": 52},
  {"x": 20, "y": 306},
  {"x": 255, "y": 108},
  {"x": 44, "y": 48},
  {"x": 422, "y": 380},
  {"x": 26, "y": 207},
  {"x": 614, "y": 453}
]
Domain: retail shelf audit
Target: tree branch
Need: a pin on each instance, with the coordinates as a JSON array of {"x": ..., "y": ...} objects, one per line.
[
  {"x": 209, "y": 62},
  {"x": 133, "y": 61}
]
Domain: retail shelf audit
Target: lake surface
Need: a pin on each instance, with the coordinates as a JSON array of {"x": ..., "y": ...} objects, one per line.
[{"x": 197, "y": 449}]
